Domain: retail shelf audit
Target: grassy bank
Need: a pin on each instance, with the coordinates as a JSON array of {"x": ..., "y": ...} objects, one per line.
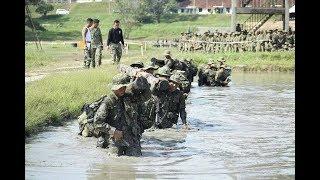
[
  {"x": 61, "y": 96},
  {"x": 249, "y": 61}
]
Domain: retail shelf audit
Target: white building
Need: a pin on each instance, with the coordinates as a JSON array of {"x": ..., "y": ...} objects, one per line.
[{"x": 204, "y": 6}]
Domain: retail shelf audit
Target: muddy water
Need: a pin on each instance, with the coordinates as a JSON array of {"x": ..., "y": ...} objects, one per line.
[{"x": 245, "y": 131}]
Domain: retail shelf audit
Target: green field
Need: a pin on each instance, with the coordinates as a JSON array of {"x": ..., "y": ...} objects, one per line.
[{"x": 68, "y": 27}]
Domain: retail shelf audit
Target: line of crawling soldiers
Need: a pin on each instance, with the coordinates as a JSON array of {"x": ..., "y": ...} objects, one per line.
[
  {"x": 141, "y": 98},
  {"x": 260, "y": 41}
]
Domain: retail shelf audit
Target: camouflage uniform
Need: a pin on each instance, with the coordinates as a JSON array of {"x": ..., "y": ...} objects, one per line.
[
  {"x": 122, "y": 114},
  {"x": 206, "y": 74},
  {"x": 181, "y": 77},
  {"x": 168, "y": 108},
  {"x": 96, "y": 46},
  {"x": 222, "y": 77},
  {"x": 192, "y": 70}
]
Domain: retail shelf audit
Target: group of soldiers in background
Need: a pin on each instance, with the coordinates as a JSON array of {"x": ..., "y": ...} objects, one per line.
[
  {"x": 214, "y": 73},
  {"x": 260, "y": 41},
  {"x": 142, "y": 97},
  {"x": 165, "y": 43}
]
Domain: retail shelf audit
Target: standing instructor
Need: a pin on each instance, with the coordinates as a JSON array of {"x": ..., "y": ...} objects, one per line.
[{"x": 115, "y": 42}]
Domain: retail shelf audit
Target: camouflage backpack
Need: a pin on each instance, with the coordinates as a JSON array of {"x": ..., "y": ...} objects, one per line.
[
  {"x": 85, "y": 120},
  {"x": 181, "y": 77}
]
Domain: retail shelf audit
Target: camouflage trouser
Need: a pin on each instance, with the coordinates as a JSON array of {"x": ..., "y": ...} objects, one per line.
[
  {"x": 168, "y": 120},
  {"x": 87, "y": 56},
  {"x": 96, "y": 56},
  {"x": 116, "y": 52},
  {"x": 130, "y": 145}
]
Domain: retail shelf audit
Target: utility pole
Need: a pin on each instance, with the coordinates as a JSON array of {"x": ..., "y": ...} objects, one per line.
[
  {"x": 233, "y": 15},
  {"x": 286, "y": 16}
]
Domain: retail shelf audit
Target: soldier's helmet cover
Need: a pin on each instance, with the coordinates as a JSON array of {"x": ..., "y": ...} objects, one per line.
[
  {"x": 167, "y": 53},
  {"x": 137, "y": 64},
  {"x": 120, "y": 80},
  {"x": 164, "y": 71}
]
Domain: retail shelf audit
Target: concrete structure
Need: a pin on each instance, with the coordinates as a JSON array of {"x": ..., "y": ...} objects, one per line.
[{"x": 261, "y": 11}]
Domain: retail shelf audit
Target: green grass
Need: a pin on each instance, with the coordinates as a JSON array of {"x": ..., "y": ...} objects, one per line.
[
  {"x": 56, "y": 97},
  {"x": 68, "y": 27},
  {"x": 50, "y": 54},
  {"x": 249, "y": 61}
]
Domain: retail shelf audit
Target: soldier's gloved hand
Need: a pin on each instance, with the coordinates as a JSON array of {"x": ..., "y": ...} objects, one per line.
[{"x": 117, "y": 135}]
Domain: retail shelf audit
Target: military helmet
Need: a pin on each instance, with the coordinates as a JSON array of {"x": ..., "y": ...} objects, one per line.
[
  {"x": 150, "y": 67},
  {"x": 167, "y": 53},
  {"x": 211, "y": 61},
  {"x": 140, "y": 84},
  {"x": 223, "y": 66},
  {"x": 175, "y": 79},
  {"x": 221, "y": 59},
  {"x": 120, "y": 80},
  {"x": 137, "y": 64},
  {"x": 164, "y": 71}
]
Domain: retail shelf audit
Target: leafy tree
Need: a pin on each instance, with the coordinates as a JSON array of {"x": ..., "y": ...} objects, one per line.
[
  {"x": 159, "y": 7},
  {"x": 131, "y": 14},
  {"x": 43, "y": 8}
]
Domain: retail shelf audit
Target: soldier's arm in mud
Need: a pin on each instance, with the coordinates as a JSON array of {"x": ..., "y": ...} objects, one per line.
[{"x": 182, "y": 109}]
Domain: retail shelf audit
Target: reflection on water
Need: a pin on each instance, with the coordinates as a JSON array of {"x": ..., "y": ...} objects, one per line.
[{"x": 243, "y": 131}]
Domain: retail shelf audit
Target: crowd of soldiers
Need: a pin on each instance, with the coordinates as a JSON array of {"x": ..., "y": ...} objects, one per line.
[
  {"x": 142, "y": 97},
  {"x": 165, "y": 43},
  {"x": 260, "y": 41},
  {"x": 214, "y": 73}
]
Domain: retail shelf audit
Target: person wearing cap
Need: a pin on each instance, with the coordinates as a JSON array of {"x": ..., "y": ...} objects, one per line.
[
  {"x": 115, "y": 41},
  {"x": 220, "y": 78},
  {"x": 182, "y": 78},
  {"x": 191, "y": 69},
  {"x": 137, "y": 64},
  {"x": 170, "y": 105},
  {"x": 221, "y": 61},
  {"x": 176, "y": 104},
  {"x": 96, "y": 44},
  {"x": 168, "y": 59},
  {"x": 112, "y": 119},
  {"x": 86, "y": 38}
]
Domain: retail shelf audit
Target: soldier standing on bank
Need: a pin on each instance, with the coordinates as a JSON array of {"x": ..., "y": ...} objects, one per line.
[
  {"x": 86, "y": 38},
  {"x": 115, "y": 41},
  {"x": 96, "y": 44}
]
